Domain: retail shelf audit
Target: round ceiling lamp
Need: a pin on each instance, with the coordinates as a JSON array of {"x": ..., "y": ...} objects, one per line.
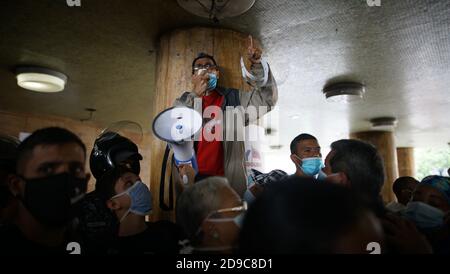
[
  {"x": 346, "y": 92},
  {"x": 40, "y": 79},
  {"x": 216, "y": 9}
]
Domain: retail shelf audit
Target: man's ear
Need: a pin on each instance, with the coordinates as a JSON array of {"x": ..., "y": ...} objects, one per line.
[
  {"x": 209, "y": 230},
  {"x": 113, "y": 205},
  {"x": 295, "y": 159},
  {"x": 16, "y": 185},
  {"x": 345, "y": 180},
  {"x": 218, "y": 73}
]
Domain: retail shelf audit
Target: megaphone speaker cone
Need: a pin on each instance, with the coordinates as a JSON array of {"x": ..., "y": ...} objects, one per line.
[{"x": 177, "y": 124}]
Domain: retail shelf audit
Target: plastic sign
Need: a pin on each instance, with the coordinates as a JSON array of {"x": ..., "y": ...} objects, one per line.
[
  {"x": 74, "y": 248},
  {"x": 73, "y": 3},
  {"x": 374, "y": 248},
  {"x": 374, "y": 3}
]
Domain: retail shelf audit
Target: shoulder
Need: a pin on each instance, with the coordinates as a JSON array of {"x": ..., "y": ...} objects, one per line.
[{"x": 231, "y": 95}]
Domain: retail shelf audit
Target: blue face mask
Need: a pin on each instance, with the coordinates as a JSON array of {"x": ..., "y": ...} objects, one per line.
[
  {"x": 249, "y": 197},
  {"x": 212, "y": 82},
  {"x": 141, "y": 199},
  {"x": 311, "y": 166},
  {"x": 322, "y": 176},
  {"x": 424, "y": 215}
]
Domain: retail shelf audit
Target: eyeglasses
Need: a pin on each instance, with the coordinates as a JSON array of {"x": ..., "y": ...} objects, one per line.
[
  {"x": 216, "y": 214},
  {"x": 207, "y": 67},
  {"x": 243, "y": 207},
  {"x": 218, "y": 218}
]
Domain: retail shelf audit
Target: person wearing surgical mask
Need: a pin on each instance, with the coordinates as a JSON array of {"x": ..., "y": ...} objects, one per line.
[
  {"x": 305, "y": 154},
  {"x": 130, "y": 200},
  {"x": 217, "y": 152},
  {"x": 211, "y": 214},
  {"x": 429, "y": 210}
]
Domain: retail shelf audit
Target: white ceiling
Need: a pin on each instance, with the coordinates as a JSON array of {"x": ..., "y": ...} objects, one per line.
[{"x": 400, "y": 51}]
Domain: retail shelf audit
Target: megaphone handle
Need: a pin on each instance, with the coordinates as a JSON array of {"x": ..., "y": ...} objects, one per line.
[{"x": 185, "y": 179}]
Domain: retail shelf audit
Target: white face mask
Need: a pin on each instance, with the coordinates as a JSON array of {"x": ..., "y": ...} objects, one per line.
[
  {"x": 238, "y": 220},
  {"x": 424, "y": 215}
]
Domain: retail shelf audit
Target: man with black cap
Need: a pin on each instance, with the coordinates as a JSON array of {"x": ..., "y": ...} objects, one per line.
[
  {"x": 97, "y": 224},
  {"x": 219, "y": 157}
]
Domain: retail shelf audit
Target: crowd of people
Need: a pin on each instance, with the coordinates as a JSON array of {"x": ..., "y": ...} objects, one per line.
[{"x": 334, "y": 208}]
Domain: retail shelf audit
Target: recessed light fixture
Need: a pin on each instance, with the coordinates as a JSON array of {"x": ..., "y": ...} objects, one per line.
[
  {"x": 384, "y": 123},
  {"x": 295, "y": 117},
  {"x": 344, "y": 92},
  {"x": 216, "y": 9},
  {"x": 276, "y": 147},
  {"x": 40, "y": 79}
]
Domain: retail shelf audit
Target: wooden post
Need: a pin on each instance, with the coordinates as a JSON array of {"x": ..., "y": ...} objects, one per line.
[
  {"x": 384, "y": 142},
  {"x": 177, "y": 50},
  {"x": 406, "y": 166}
]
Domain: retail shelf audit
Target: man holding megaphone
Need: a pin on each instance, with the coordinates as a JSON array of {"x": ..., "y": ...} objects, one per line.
[{"x": 219, "y": 157}]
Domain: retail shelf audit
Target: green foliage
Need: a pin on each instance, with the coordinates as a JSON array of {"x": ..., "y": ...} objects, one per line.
[{"x": 431, "y": 161}]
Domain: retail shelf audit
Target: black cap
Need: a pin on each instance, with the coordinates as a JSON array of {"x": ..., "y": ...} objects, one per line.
[{"x": 112, "y": 150}]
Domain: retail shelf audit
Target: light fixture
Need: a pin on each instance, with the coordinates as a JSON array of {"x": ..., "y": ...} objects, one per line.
[
  {"x": 216, "y": 9},
  {"x": 40, "y": 79},
  {"x": 344, "y": 92},
  {"x": 276, "y": 147},
  {"x": 384, "y": 123},
  {"x": 295, "y": 117}
]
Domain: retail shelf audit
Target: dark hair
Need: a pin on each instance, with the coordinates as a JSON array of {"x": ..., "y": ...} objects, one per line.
[
  {"x": 104, "y": 187},
  {"x": 362, "y": 164},
  {"x": 300, "y": 215},
  {"x": 46, "y": 136},
  {"x": 8, "y": 153},
  {"x": 401, "y": 183},
  {"x": 200, "y": 56},
  {"x": 301, "y": 137}
]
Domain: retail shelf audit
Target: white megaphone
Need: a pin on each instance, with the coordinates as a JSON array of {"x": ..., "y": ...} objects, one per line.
[{"x": 178, "y": 126}]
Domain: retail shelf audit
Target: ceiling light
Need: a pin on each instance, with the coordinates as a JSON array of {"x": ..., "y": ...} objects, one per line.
[
  {"x": 40, "y": 79},
  {"x": 295, "y": 117},
  {"x": 344, "y": 92},
  {"x": 216, "y": 9},
  {"x": 384, "y": 123},
  {"x": 276, "y": 147}
]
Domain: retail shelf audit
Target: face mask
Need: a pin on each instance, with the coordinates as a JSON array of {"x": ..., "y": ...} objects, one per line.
[
  {"x": 51, "y": 200},
  {"x": 249, "y": 197},
  {"x": 311, "y": 166},
  {"x": 238, "y": 220},
  {"x": 322, "y": 176},
  {"x": 141, "y": 199},
  {"x": 424, "y": 215},
  {"x": 212, "y": 82}
]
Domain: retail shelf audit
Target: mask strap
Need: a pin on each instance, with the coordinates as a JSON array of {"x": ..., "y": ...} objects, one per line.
[
  {"x": 123, "y": 193},
  {"x": 299, "y": 165},
  {"x": 298, "y": 159},
  {"x": 124, "y": 216}
]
